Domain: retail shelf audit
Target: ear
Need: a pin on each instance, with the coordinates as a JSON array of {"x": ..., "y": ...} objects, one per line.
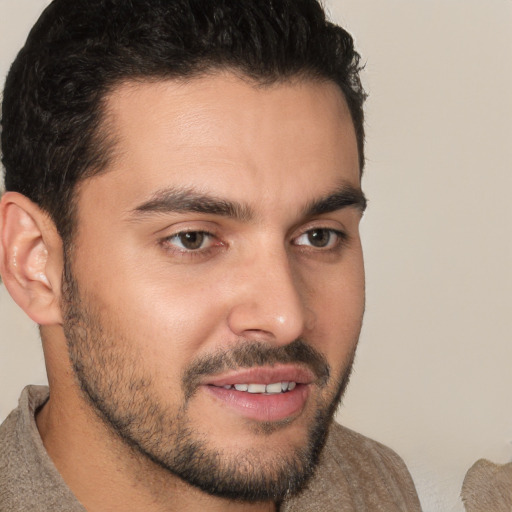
[{"x": 31, "y": 258}]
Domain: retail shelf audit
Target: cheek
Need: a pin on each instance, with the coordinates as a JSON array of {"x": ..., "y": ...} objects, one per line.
[
  {"x": 338, "y": 303},
  {"x": 164, "y": 307},
  {"x": 158, "y": 321},
  {"x": 173, "y": 320}
]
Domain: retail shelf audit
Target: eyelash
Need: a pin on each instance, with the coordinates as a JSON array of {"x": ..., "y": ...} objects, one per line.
[
  {"x": 341, "y": 240},
  {"x": 338, "y": 243},
  {"x": 190, "y": 253}
]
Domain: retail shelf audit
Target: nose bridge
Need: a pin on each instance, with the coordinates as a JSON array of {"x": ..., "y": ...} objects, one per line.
[{"x": 271, "y": 302}]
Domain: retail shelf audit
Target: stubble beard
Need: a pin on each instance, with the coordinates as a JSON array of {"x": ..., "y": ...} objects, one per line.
[{"x": 122, "y": 395}]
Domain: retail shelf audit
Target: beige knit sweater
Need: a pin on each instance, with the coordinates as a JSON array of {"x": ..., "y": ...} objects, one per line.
[
  {"x": 488, "y": 487},
  {"x": 355, "y": 474}
]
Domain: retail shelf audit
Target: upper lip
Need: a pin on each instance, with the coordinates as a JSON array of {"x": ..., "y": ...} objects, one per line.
[{"x": 263, "y": 375}]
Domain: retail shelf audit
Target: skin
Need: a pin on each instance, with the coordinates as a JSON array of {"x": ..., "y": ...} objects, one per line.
[{"x": 257, "y": 279}]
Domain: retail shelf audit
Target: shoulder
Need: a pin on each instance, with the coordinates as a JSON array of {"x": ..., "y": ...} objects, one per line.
[
  {"x": 21, "y": 420},
  {"x": 9, "y": 437},
  {"x": 18, "y": 431},
  {"x": 488, "y": 486},
  {"x": 356, "y": 473},
  {"x": 353, "y": 450},
  {"x": 9, "y": 458},
  {"x": 28, "y": 478}
]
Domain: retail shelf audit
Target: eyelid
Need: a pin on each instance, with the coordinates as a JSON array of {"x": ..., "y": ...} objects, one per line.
[
  {"x": 183, "y": 225},
  {"x": 208, "y": 237},
  {"x": 333, "y": 225}
]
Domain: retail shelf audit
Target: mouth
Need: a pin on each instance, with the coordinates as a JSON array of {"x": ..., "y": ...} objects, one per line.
[
  {"x": 275, "y": 388},
  {"x": 263, "y": 394}
]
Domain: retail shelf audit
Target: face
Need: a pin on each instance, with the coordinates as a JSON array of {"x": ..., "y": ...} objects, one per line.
[{"x": 214, "y": 294}]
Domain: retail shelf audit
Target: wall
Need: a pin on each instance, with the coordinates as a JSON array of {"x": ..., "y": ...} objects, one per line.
[{"x": 432, "y": 377}]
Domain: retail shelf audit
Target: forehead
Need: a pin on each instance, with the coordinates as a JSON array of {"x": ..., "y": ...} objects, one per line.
[{"x": 228, "y": 136}]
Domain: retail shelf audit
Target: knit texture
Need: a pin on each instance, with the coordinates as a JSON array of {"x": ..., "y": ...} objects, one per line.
[{"x": 488, "y": 487}]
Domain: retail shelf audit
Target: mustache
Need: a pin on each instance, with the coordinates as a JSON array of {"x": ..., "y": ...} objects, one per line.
[{"x": 248, "y": 354}]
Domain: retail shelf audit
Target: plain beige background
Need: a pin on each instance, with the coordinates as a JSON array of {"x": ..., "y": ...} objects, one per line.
[{"x": 433, "y": 374}]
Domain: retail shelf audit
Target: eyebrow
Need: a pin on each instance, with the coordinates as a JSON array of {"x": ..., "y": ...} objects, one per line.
[
  {"x": 189, "y": 200},
  {"x": 344, "y": 197}
]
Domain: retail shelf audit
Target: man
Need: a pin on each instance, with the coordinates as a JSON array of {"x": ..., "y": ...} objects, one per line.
[{"x": 181, "y": 220}]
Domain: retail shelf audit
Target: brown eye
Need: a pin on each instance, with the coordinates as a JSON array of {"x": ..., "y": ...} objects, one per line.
[
  {"x": 191, "y": 240},
  {"x": 320, "y": 238}
]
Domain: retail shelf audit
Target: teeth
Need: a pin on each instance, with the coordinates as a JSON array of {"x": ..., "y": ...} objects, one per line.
[
  {"x": 274, "y": 388},
  {"x": 270, "y": 389},
  {"x": 256, "y": 388}
]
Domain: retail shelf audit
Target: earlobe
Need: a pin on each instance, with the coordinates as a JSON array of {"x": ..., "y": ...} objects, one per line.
[{"x": 30, "y": 258}]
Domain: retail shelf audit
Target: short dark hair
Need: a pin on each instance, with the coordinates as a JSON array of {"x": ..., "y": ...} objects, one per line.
[{"x": 80, "y": 49}]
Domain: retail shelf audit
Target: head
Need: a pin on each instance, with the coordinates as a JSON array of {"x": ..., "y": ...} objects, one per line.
[{"x": 199, "y": 164}]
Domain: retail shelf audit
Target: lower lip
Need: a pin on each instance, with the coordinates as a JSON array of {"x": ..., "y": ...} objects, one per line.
[{"x": 260, "y": 407}]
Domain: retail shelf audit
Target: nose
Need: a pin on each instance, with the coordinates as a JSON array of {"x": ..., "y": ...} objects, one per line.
[{"x": 270, "y": 301}]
